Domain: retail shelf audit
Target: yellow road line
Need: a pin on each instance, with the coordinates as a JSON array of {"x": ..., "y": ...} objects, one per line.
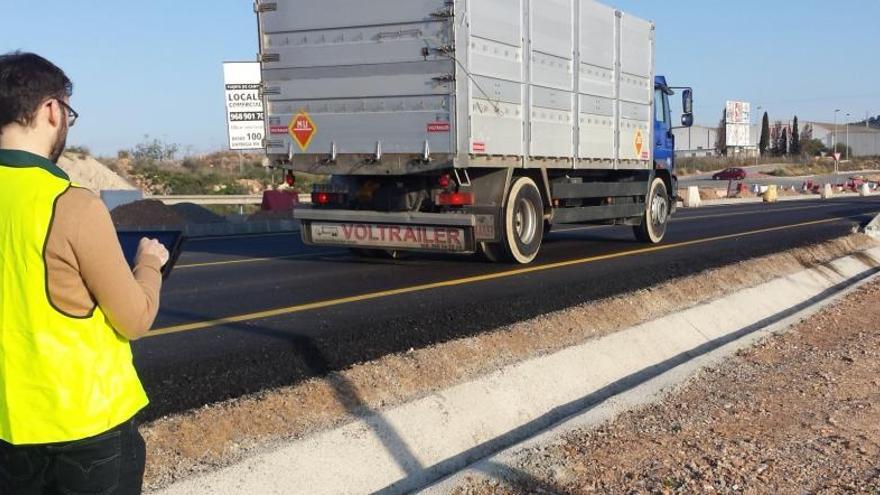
[
  {"x": 470, "y": 280},
  {"x": 701, "y": 217},
  {"x": 257, "y": 260}
]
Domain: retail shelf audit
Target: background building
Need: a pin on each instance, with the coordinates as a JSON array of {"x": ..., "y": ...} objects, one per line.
[
  {"x": 701, "y": 140},
  {"x": 695, "y": 141},
  {"x": 862, "y": 140}
]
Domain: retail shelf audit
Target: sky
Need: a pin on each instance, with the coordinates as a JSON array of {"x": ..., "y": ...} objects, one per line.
[{"x": 155, "y": 67}]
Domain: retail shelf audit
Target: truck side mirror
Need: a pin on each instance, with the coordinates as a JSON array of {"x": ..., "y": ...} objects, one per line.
[
  {"x": 687, "y": 120},
  {"x": 687, "y": 101},
  {"x": 687, "y": 104}
]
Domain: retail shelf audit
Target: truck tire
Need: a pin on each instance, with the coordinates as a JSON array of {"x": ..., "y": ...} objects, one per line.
[
  {"x": 492, "y": 252},
  {"x": 522, "y": 227},
  {"x": 655, "y": 220}
]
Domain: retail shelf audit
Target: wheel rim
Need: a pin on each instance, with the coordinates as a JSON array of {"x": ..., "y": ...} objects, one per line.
[
  {"x": 659, "y": 211},
  {"x": 525, "y": 222}
]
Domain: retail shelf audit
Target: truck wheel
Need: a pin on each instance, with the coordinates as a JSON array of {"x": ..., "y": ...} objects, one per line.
[
  {"x": 523, "y": 221},
  {"x": 548, "y": 226},
  {"x": 655, "y": 220},
  {"x": 492, "y": 252}
]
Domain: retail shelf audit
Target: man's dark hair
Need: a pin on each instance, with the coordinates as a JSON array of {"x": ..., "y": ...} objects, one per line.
[{"x": 26, "y": 81}]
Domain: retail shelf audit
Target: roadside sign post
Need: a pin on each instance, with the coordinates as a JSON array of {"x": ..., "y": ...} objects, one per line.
[{"x": 244, "y": 105}]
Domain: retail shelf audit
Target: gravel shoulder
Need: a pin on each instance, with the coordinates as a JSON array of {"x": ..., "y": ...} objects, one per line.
[{"x": 796, "y": 414}]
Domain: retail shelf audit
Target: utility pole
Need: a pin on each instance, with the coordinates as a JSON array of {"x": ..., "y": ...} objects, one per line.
[
  {"x": 834, "y": 144},
  {"x": 847, "y": 137},
  {"x": 758, "y": 134}
]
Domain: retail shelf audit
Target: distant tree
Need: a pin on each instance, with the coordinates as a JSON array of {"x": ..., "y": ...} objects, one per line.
[
  {"x": 154, "y": 150},
  {"x": 813, "y": 147},
  {"x": 806, "y": 134},
  {"x": 795, "y": 146},
  {"x": 782, "y": 146},
  {"x": 721, "y": 135},
  {"x": 775, "y": 135},
  {"x": 764, "y": 143}
]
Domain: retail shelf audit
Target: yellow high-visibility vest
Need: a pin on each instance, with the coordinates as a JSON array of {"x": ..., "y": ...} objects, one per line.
[{"x": 62, "y": 378}]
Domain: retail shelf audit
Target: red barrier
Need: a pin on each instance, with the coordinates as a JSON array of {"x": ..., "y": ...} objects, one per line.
[{"x": 280, "y": 200}]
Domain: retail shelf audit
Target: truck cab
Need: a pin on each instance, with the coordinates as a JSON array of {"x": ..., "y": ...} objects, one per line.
[{"x": 664, "y": 138}]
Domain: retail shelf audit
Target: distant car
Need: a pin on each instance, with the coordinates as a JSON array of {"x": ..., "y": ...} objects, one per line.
[{"x": 730, "y": 174}]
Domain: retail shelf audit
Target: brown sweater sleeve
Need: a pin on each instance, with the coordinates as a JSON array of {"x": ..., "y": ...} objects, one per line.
[{"x": 84, "y": 257}]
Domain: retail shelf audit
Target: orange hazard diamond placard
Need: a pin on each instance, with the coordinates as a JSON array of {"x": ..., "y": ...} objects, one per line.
[
  {"x": 302, "y": 128},
  {"x": 639, "y": 143}
]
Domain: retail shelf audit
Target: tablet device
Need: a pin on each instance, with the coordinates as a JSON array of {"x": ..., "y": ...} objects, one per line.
[{"x": 171, "y": 239}]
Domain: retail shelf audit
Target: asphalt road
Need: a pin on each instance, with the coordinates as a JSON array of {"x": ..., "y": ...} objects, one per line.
[{"x": 242, "y": 315}]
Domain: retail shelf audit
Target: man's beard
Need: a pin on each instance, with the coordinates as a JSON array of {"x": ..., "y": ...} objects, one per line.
[{"x": 60, "y": 144}]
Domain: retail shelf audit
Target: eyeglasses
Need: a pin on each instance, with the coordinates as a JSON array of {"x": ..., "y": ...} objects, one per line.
[{"x": 71, "y": 113}]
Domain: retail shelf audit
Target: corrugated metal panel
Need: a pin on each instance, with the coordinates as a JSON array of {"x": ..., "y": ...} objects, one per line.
[{"x": 534, "y": 79}]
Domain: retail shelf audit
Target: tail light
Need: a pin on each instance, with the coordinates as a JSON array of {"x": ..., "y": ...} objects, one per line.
[
  {"x": 444, "y": 181},
  {"x": 455, "y": 199},
  {"x": 327, "y": 198}
]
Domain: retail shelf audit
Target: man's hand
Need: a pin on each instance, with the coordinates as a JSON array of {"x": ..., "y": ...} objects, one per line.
[{"x": 151, "y": 247}]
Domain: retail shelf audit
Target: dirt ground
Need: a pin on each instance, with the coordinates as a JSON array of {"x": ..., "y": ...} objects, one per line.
[
  {"x": 88, "y": 172},
  {"x": 799, "y": 413},
  {"x": 220, "y": 434},
  {"x": 146, "y": 213}
]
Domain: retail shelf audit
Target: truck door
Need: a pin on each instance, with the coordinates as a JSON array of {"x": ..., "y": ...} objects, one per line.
[{"x": 664, "y": 141}]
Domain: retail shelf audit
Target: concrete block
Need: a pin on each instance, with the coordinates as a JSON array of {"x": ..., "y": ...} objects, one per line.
[
  {"x": 827, "y": 192},
  {"x": 693, "y": 199},
  {"x": 865, "y": 190},
  {"x": 873, "y": 228}
]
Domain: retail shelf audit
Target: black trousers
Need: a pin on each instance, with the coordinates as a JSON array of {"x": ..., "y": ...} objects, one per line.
[{"x": 111, "y": 463}]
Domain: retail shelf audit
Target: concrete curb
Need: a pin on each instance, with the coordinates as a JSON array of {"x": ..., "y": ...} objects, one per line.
[
  {"x": 758, "y": 199},
  {"x": 408, "y": 447},
  {"x": 504, "y": 464}
]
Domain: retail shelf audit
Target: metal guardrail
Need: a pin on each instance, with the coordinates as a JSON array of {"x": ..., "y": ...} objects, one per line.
[{"x": 232, "y": 200}]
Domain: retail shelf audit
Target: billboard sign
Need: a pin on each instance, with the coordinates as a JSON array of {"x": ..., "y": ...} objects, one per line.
[
  {"x": 244, "y": 105},
  {"x": 739, "y": 122}
]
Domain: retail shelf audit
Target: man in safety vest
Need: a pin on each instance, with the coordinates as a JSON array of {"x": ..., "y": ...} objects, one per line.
[{"x": 69, "y": 305}]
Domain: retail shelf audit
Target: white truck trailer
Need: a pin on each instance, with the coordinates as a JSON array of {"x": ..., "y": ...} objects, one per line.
[{"x": 467, "y": 126}]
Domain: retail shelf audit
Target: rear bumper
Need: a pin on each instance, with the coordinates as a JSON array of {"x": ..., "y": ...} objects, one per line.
[{"x": 428, "y": 232}]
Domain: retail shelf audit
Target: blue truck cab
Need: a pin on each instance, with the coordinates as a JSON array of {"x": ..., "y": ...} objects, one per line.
[{"x": 664, "y": 139}]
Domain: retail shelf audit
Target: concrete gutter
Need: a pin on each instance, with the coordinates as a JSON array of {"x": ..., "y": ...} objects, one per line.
[{"x": 409, "y": 447}]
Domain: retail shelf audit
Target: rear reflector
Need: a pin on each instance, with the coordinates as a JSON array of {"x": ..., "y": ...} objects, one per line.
[{"x": 455, "y": 199}]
